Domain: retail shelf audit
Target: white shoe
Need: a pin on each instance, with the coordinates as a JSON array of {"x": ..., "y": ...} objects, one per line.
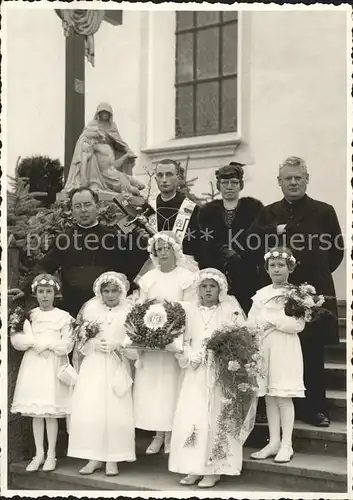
[
  {"x": 209, "y": 481},
  {"x": 111, "y": 469},
  {"x": 90, "y": 467},
  {"x": 36, "y": 462},
  {"x": 49, "y": 464},
  {"x": 284, "y": 455},
  {"x": 270, "y": 450},
  {"x": 189, "y": 480},
  {"x": 155, "y": 446}
]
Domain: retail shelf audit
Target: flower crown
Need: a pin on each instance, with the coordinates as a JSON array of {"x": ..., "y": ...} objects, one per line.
[
  {"x": 282, "y": 255},
  {"x": 118, "y": 279},
  {"x": 45, "y": 281},
  {"x": 165, "y": 237},
  {"x": 218, "y": 277}
]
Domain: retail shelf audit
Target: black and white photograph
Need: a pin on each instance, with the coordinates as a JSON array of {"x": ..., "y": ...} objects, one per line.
[{"x": 176, "y": 250}]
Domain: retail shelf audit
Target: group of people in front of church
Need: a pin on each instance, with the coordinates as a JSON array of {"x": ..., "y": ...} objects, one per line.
[{"x": 223, "y": 262}]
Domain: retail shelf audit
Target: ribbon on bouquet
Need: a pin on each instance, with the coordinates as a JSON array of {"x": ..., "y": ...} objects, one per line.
[
  {"x": 210, "y": 383},
  {"x": 122, "y": 381}
]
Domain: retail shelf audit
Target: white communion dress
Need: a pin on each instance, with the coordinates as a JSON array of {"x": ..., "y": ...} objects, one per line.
[
  {"x": 102, "y": 421},
  {"x": 200, "y": 399},
  {"x": 157, "y": 377},
  {"x": 39, "y": 392},
  {"x": 280, "y": 345}
]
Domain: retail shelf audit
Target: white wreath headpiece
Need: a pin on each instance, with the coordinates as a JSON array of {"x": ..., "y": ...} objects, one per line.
[
  {"x": 279, "y": 255},
  {"x": 172, "y": 240},
  {"x": 211, "y": 273},
  {"x": 118, "y": 279},
  {"x": 45, "y": 279}
]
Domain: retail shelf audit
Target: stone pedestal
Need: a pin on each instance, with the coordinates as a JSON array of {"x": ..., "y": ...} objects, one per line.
[{"x": 105, "y": 196}]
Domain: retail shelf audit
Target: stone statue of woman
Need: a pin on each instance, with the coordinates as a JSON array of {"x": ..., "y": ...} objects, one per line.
[{"x": 102, "y": 159}]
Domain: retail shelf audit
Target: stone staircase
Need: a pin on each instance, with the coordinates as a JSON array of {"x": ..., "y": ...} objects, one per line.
[{"x": 319, "y": 463}]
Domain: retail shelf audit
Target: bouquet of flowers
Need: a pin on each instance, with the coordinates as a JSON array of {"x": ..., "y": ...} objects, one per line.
[
  {"x": 16, "y": 318},
  {"x": 155, "y": 325},
  {"x": 83, "y": 330},
  {"x": 233, "y": 354},
  {"x": 302, "y": 302}
]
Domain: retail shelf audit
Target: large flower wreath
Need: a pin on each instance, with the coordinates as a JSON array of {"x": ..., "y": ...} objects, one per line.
[
  {"x": 233, "y": 354},
  {"x": 155, "y": 324}
]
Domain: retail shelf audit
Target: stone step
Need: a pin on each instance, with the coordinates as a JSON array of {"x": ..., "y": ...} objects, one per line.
[
  {"x": 308, "y": 439},
  {"x": 342, "y": 308},
  {"x": 342, "y": 323},
  {"x": 305, "y": 472},
  {"x": 335, "y": 375},
  {"x": 338, "y": 404},
  {"x": 146, "y": 474},
  {"x": 336, "y": 352}
]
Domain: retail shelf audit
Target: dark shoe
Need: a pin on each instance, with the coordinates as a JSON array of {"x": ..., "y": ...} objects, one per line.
[{"x": 318, "y": 420}]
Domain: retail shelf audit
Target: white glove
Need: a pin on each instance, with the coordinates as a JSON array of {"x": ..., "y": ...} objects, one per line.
[
  {"x": 107, "y": 346},
  {"x": 281, "y": 228}
]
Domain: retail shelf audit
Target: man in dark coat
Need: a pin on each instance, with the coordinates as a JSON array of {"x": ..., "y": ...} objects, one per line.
[
  {"x": 223, "y": 225},
  {"x": 311, "y": 229},
  {"x": 84, "y": 252}
]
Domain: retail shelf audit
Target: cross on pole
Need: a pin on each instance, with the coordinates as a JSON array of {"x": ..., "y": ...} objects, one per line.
[{"x": 75, "y": 86}]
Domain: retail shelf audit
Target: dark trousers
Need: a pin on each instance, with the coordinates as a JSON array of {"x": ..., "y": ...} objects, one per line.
[{"x": 311, "y": 339}]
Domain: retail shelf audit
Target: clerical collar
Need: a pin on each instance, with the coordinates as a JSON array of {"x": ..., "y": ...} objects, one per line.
[
  {"x": 88, "y": 227},
  {"x": 295, "y": 202},
  {"x": 230, "y": 205},
  {"x": 168, "y": 199}
]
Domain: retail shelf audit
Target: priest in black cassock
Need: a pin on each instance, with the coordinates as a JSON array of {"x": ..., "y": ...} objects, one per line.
[
  {"x": 224, "y": 224},
  {"x": 84, "y": 252},
  {"x": 312, "y": 231}
]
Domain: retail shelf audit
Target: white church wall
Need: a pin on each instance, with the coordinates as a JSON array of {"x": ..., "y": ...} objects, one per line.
[{"x": 35, "y": 84}]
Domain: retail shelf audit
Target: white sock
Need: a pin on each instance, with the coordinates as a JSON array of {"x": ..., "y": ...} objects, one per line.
[
  {"x": 160, "y": 434},
  {"x": 286, "y": 409},
  {"x": 52, "y": 435},
  {"x": 273, "y": 419},
  {"x": 38, "y": 435}
]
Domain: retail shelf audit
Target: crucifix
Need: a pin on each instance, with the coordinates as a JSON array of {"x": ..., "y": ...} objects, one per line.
[{"x": 75, "y": 85}]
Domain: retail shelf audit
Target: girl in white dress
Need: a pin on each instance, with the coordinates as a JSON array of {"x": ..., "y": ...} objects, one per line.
[
  {"x": 102, "y": 422},
  {"x": 199, "y": 402},
  {"x": 282, "y": 356},
  {"x": 39, "y": 393},
  {"x": 157, "y": 374}
]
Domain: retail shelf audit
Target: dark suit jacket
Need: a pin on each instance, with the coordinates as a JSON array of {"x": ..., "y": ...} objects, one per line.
[{"x": 314, "y": 235}]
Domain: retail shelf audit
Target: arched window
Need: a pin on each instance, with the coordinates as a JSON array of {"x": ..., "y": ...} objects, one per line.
[{"x": 206, "y": 72}]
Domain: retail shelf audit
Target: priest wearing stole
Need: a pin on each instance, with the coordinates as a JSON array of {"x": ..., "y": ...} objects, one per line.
[{"x": 174, "y": 212}]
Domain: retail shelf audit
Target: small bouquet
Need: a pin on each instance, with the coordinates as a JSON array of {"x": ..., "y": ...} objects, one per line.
[
  {"x": 155, "y": 325},
  {"x": 302, "y": 302},
  {"x": 16, "y": 318},
  {"x": 233, "y": 354},
  {"x": 83, "y": 330}
]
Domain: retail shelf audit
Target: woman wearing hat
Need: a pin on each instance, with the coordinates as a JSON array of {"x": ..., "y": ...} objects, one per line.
[{"x": 224, "y": 224}]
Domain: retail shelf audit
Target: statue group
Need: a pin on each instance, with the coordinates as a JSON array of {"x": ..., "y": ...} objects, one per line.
[{"x": 102, "y": 159}]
